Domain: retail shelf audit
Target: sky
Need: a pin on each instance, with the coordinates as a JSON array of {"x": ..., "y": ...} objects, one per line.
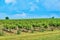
[{"x": 16, "y": 9}]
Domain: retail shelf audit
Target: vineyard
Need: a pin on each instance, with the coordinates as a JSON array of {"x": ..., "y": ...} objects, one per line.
[{"x": 29, "y": 25}]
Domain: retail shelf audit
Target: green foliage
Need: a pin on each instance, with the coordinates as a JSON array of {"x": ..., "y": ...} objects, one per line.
[
  {"x": 45, "y": 26},
  {"x": 18, "y": 32},
  {"x": 42, "y": 30},
  {"x": 32, "y": 31},
  {"x": 31, "y": 23},
  {"x": 6, "y": 18},
  {"x": 53, "y": 17}
]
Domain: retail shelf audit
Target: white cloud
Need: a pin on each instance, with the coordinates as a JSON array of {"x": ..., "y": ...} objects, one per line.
[
  {"x": 52, "y": 4},
  {"x": 49, "y": 16},
  {"x": 3, "y": 15},
  {"x": 54, "y": 15},
  {"x": 24, "y": 15},
  {"x": 21, "y": 15},
  {"x": 15, "y": 16},
  {"x": 37, "y": 1},
  {"x": 33, "y": 6},
  {"x": 18, "y": 16},
  {"x": 10, "y": 1},
  {"x": 44, "y": 16},
  {"x": 30, "y": 3}
]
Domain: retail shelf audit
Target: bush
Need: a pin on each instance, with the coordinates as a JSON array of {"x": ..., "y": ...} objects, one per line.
[
  {"x": 32, "y": 31},
  {"x": 18, "y": 31},
  {"x": 42, "y": 30},
  {"x": 45, "y": 26}
]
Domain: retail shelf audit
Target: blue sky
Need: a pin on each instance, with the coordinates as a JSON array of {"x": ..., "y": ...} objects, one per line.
[{"x": 16, "y": 9}]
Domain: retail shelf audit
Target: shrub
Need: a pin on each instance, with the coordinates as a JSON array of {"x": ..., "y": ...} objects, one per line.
[
  {"x": 42, "y": 30},
  {"x": 18, "y": 31},
  {"x": 32, "y": 31},
  {"x": 45, "y": 26}
]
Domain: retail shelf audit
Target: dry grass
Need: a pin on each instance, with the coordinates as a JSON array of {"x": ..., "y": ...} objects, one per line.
[{"x": 52, "y": 35}]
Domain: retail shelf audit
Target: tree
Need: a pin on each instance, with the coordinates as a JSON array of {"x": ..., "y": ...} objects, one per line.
[
  {"x": 7, "y": 18},
  {"x": 53, "y": 17}
]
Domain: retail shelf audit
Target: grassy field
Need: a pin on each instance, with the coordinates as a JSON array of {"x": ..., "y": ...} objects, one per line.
[
  {"x": 52, "y": 35},
  {"x": 30, "y": 29}
]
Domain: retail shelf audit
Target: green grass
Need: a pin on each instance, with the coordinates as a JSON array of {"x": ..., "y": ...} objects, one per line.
[{"x": 52, "y": 35}]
